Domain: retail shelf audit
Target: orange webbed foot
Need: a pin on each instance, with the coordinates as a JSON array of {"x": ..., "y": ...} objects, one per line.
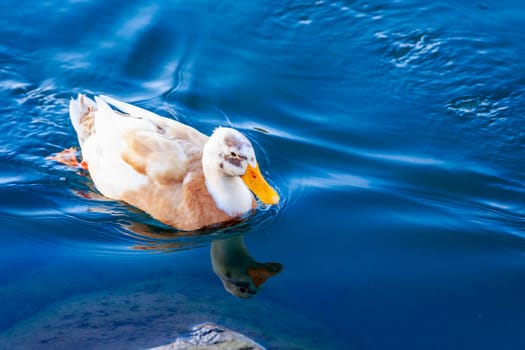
[{"x": 69, "y": 157}]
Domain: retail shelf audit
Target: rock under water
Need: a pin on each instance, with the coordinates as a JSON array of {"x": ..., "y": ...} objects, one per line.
[{"x": 210, "y": 336}]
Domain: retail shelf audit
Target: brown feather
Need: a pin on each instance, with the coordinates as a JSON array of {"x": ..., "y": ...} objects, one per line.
[
  {"x": 186, "y": 206},
  {"x": 87, "y": 125},
  {"x": 180, "y": 200}
]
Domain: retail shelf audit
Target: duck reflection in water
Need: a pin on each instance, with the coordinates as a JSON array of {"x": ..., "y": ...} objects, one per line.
[{"x": 239, "y": 272}]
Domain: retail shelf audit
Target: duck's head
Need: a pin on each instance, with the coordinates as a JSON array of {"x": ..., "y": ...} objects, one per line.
[
  {"x": 239, "y": 272},
  {"x": 246, "y": 284},
  {"x": 229, "y": 155}
]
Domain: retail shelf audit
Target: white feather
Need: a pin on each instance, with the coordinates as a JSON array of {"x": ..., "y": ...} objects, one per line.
[{"x": 78, "y": 107}]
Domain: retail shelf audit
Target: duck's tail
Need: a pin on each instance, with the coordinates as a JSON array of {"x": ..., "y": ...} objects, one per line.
[{"x": 80, "y": 112}]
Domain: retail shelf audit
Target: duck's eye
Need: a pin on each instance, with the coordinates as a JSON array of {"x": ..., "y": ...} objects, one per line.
[{"x": 233, "y": 154}]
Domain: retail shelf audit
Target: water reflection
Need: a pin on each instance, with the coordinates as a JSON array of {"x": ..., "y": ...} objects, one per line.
[{"x": 239, "y": 272}]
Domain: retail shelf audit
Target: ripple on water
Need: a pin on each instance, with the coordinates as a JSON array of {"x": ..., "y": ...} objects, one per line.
[
  {"x": 410, "y": 50},
  {"x": 478, "y": 106},
  {"x": 495, "y": 117},
  {"x": 70, "y": 213},
  {"x": 443, "y": 62},
  {"x": 101, "y": 226},
  {"x": 295, "y": 14}
]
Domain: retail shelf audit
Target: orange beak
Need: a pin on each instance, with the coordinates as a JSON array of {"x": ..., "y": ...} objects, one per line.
[
  {"x": 258, "y": 185},
  {"x": 259, "y": 276}
]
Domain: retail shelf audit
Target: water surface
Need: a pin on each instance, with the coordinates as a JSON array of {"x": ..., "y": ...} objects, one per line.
[{"x": 393, "y": 131}]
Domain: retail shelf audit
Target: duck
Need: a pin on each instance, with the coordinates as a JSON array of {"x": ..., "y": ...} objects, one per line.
[{"x": 178, "y": 175}]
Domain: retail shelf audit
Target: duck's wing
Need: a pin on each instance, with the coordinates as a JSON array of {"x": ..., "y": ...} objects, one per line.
[
  {"x": 163, "y": 160},
  {"x": 161, "y": 148},
  {"x": 130, "y": 148}
]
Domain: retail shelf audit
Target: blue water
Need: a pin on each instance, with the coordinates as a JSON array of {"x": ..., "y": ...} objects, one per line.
[{"x": 394, "y": 132}]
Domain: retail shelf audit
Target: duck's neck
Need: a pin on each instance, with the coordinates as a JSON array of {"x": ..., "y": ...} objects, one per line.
[
  {"x": 231, "y": 254},
  {"x": 229, "y": 192}
]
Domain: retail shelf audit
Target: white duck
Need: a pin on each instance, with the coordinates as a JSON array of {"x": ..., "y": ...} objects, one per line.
[{"x": 178, "y": 175}]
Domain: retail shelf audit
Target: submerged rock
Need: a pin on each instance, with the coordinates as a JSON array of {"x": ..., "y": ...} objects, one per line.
[
  {"x": 210, "y": 336},
  {"x": 156, "y": 311}
]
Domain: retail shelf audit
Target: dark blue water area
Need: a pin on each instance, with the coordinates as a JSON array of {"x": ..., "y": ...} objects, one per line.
[{"x": 394, "y": 132}]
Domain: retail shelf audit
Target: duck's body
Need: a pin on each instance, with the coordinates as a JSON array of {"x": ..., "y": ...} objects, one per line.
[{"x": 170, "y": 170}]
